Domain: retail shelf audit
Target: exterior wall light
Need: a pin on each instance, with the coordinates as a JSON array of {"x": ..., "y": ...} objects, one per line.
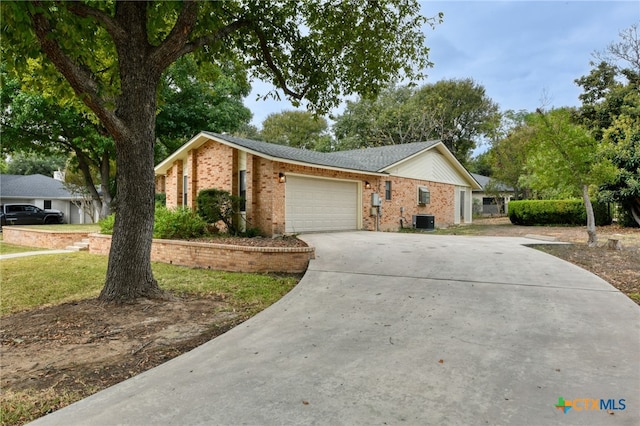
[
  {"x": 282, "y": 178},
  {"x": 367, "y": 185}
]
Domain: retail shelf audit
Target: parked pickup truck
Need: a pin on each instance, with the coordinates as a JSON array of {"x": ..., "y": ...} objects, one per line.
[{"x": 27, "y": 214}]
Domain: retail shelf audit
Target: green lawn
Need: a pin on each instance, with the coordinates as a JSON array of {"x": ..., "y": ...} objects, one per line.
[
  {"x": 29, "y": 282},
  {"x": 12, "y": 248}
]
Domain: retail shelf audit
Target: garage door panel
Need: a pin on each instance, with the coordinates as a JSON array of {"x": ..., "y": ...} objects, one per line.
[{"x": 320, "y": 205}]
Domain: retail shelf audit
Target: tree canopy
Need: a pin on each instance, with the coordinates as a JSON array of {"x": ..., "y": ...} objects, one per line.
[
  {"x": 33, "y": 123},
  {"x": 299, "y": 129},
  {"x": 199, "y": 96},
  {"x": 611, "y": 110},
  {"x": 22, "y": 163},
  {"x": 458, "y": 112},
  {"x": 563, "y": 156},
  {"x": 508, "y": 152},
  {"x": 113, "y": 56}
]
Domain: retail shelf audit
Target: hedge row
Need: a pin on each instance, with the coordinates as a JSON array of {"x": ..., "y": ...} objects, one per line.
[{"x": 556, "y": 212}]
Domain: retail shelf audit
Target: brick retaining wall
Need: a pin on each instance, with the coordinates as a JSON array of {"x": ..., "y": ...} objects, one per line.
[
  {"x": 219, "y": 256},
  {"x": 41, "y": 238}
]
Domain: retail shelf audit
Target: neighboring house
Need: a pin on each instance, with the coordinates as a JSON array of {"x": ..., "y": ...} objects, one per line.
[
  {"x": 291, "y": 190},
  {"x": 493, "y": 198},
  {"x": 43, "y": 192}
]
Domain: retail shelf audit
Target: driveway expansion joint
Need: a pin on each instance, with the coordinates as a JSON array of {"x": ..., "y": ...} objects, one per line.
[{"x": 466, "y": 281}]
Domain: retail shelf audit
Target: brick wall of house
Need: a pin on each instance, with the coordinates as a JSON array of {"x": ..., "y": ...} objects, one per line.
[
  {"x": 174, "y": 184},
  {"x": 250, "y": 196},
  {"x": 219, "y": 256},
  {"x": 39, "y": 238},
  {"x": 215, "y": 167},
  {"x": 404, "y": 194},
  {"x": 262, "y": 183},
  {"x": 161, "y": 184}
]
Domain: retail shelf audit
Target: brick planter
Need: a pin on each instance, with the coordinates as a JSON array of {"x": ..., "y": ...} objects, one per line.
[
  {"x": 30, "y": 237},
  {"x": 223, "y": 257}
]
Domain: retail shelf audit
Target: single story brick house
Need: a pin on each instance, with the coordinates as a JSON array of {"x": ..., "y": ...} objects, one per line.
[{"x": 289, "y": 190}]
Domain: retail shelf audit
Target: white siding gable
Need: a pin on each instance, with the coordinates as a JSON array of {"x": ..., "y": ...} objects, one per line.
[{"x": 430, "y": 165}]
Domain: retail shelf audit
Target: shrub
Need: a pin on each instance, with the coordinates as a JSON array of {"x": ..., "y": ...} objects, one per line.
[
  {"x": 180, "y": 224},
  {"x": 252, "y": 232},
  {"x": 177, "y": 224},
  {"x": 106, "y": 224},
  {"x": 215, "y": 205},
  {"x": 624, "y": 216},
  {"x": 161, "y": 199},
  {"x": 556, "y": 212}
]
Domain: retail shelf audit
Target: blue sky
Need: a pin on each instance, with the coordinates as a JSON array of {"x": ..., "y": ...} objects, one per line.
[{"x": 524, "y": 53}]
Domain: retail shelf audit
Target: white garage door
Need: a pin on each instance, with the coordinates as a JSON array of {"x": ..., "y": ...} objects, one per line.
[{"x": 320, "y": 205}]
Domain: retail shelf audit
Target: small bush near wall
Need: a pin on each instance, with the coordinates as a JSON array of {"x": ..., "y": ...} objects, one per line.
[
  {"x": 161, "y": 199},
  {"x": 180, "y": 224},
  {"x": 215, "y": 205},
  {"x": 106, "y": 224},
  {"x": 555, "y": 212}
]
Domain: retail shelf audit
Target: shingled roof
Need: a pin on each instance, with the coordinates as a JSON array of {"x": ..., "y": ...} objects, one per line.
[
  {"x": 379, "y": 158},
  {"x": 484, "y": 180},
  {"x": 33, "y": 186},
  {"x": 367, "y": 159},
  {"x": 378, "y": 161}
]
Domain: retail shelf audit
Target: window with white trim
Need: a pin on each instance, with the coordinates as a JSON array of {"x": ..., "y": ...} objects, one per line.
[
  {"x": 387, "y": 190},
  {"x": 424, "y": 196},
  {"x": 185, "y": 188}
]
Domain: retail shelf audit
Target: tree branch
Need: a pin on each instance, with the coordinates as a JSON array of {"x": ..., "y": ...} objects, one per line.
[
  {"x": 266, "y": 52},
  {"x": 176, "y": 44},
  {"x": 83, "y": 10},
  {"x": 80, "y": 79},
  {"x": 83, "y": 166},
  {"x": 169, "y": 50},
  {"x": 217, "y": 36}
]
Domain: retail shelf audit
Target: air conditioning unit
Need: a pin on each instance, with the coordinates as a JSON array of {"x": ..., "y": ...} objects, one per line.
[{"x": 424, "y": 221}]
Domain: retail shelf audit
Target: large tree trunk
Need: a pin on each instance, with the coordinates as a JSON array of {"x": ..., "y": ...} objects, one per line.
[
  {"x": 591, "y": 219},
  {"x": 129, "y": 272}
]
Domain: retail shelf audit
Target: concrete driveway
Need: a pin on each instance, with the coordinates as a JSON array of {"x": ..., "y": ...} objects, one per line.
[{"x": 392, "y": 328}]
